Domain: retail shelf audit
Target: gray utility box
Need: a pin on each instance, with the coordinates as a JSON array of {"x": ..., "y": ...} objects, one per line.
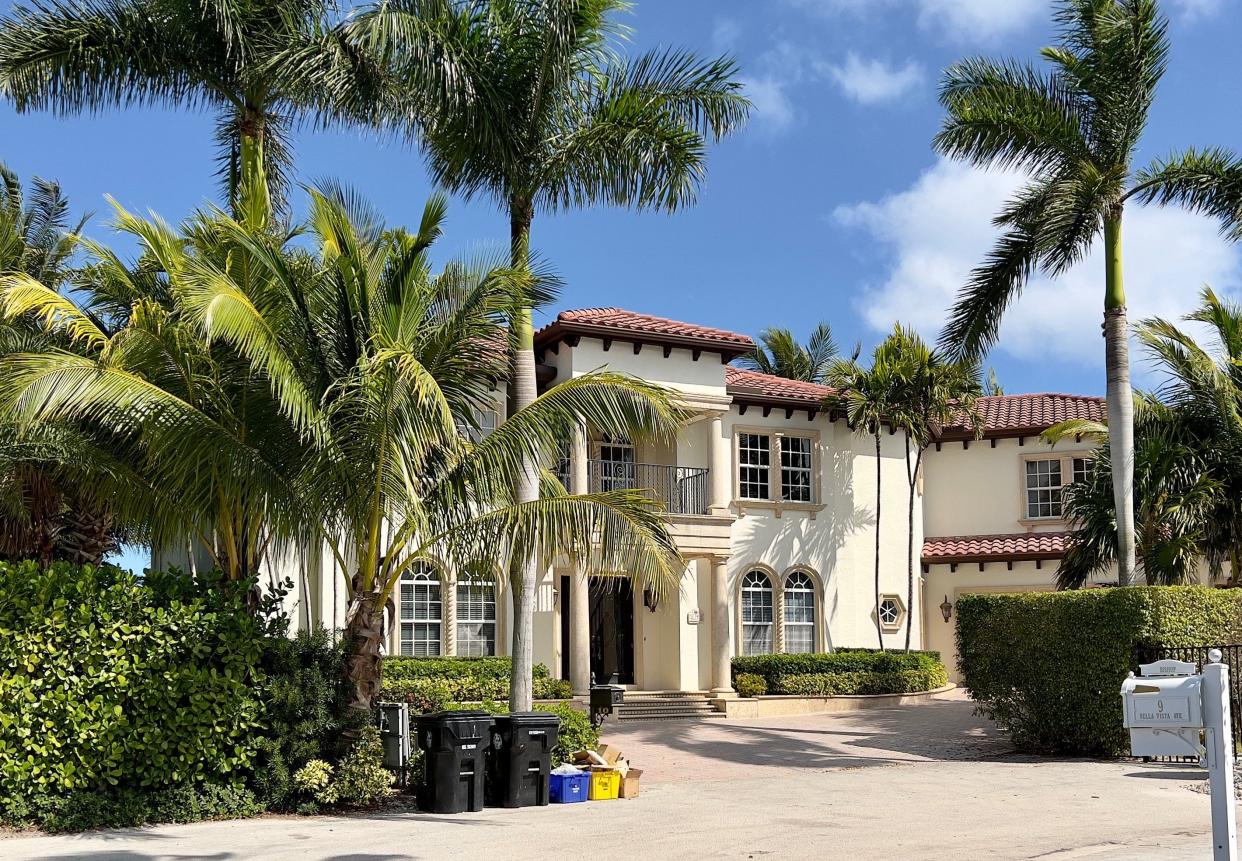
[
  {"x": 1163, "y": 709},
  {"x": 394, "y": 726}
]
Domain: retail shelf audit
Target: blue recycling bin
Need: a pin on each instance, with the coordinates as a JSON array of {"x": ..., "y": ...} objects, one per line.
[{"x": 568, "y": 788}]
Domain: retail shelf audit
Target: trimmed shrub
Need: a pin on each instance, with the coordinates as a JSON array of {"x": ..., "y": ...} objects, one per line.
[
  {"x": 81, "y": 810},
  {"x": 444, "y": 667},
  {"x": 360, "y": 776},
  {"x": 303, "y": 700},
  {"x": 750, "y": 685},
  {"x": 838, "y": 684},
  {"x": 107, "y": 681},
  {"x": 1048, "y": 666},
  {"x": 553, "y": 689},
  {"x": 430, "y": 684},
  {"x": 856, "y": 671}
]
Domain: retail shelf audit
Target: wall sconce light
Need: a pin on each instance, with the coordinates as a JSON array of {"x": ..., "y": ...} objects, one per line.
[
  {"x": 651, "y": 600},
  {"x": 946, "y": 609}
]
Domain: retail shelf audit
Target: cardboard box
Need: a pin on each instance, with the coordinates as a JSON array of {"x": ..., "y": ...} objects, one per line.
[
  {"x": 629, "y": 784},
  {"x": 610, "y": 753}
]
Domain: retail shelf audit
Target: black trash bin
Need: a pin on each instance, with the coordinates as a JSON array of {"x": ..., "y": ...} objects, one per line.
[
  {"x": 454, "y": 745},
  {"x": 520, "y": 759}
]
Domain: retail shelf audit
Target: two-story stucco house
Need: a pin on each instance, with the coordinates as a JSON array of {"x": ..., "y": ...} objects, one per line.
[{"x": 772, "y": 500}]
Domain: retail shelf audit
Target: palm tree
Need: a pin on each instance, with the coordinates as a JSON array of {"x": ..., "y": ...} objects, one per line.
[
  {"x": 358, "y": 369},
  {"x": 221, "y": 55},
  {"x": 394, "y": 362},
  {"x": 933, "y": 392},
  {"x": 1176, "y": 500},
  {"x": 1075, "y": 130},
  {"x": 779, "y": 353},
  {"x": 870, "y": 398},
  {"x": 53, "y": 499},
  {"x": 211, "y": 456},
  {"x": 1188, "y": 459},
  {"x": 529, "y": 103}
]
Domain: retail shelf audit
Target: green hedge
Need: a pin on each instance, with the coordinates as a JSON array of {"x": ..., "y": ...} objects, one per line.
[
  {"x": 430, "y": 684},
  {"x": 1048, "y": 666},
  {"x": 106, "y": 681},
  {"x": 853, "y": 671},
  {"x": 494, "y": 669}
]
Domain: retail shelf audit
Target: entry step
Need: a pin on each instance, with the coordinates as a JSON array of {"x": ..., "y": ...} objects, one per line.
[{"x": 666, "y": 705}]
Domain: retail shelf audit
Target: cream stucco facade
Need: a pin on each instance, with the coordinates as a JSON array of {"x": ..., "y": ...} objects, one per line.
[{"x": 771, "y": 497}]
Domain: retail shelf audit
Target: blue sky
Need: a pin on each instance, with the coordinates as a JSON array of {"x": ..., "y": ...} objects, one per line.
[{"x": 829, "y": 205}]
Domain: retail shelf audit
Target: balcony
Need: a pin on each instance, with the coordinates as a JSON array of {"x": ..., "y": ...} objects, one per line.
[{"x": 680, "y": 489}]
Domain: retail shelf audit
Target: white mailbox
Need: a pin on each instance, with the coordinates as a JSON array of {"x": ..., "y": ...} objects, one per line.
[{"x": 1163, "y": 709}]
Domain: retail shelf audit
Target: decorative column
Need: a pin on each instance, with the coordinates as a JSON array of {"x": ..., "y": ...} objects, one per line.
[
  {"x": 721, "y": 465},
  {"x": 579, "y": 589},
  {"x": 722, "y": 683}
]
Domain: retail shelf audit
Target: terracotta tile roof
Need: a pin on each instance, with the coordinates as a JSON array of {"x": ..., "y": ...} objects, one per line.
[
  {"x": 622, "y": 324},
  {"x": 1027, "y": 414},
  {"x": 979, "y": 548},
  {"x": 740, "y": 383}
]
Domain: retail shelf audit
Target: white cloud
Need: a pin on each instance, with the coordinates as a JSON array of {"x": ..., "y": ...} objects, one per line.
[
  {"x": 940, "y": 228},
  {"x": 1194, "y": 10},
  {"x": 773, "y": 109},
  {"x": 980, "y": 20},
  {"x": 869, "y": 82},
  {"x": 957, "y": 20}
]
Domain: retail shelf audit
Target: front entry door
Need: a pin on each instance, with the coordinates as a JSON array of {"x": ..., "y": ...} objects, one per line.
[{"x": 612, "y": 631}]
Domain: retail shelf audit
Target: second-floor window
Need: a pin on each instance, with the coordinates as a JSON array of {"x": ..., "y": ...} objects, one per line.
[
  {"x": 1045, "y": 479},
  {"x": 1043, "y": 488},
  {"x": 792, "y": 481},
  {"x": 754, "y": 457}
]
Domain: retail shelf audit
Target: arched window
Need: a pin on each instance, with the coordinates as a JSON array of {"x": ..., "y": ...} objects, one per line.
[
  {"x": 756, "y": 613},
  {"x": 421, "y": 611},
  {"x": 799, "y": 613},
  {"x": 476, "y": 618}
]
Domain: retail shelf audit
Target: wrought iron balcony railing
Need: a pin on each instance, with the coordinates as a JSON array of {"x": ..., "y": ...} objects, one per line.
[{"x": 681, "y": 489}]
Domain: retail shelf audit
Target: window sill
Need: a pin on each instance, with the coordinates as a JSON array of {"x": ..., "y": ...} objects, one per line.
[
  {"x": 1030, "y": 522},
  {"x": 811, "y": 508}
]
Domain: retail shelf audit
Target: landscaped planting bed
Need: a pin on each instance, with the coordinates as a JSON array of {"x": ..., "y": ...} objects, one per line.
[{"x": 845, "y": 672}]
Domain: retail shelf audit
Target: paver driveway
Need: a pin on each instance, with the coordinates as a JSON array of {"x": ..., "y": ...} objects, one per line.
[{"x": 922, "y": 782}]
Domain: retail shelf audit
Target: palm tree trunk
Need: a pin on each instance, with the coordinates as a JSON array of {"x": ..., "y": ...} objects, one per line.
[
  {"x": 363, "y": 638},
  {"x": 879, "y": 629},
  {"x": 251, "y": 174},
  {"x": 1120, "y": 397},
  {"x": 523, "y": 573},
  {"x": 913, "y": 476}
]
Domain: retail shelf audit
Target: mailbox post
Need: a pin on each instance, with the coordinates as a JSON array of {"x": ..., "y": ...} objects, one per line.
[
  {"x": 1218, "y": 733},
  {"x": 1167, "y": 710}
]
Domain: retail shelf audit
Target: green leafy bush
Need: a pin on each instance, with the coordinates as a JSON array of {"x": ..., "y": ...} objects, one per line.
[
  {"x": 444, "y": 667},
  {"x": 854, "y": 671},
  {"x": 553, "y": 689},
  {"x": 430, "y": 684},
  {"x": 360, "y": 776},
  {"x": 841, "y": 684},
  {"x": 1048, "y": 666},
  {"x": 313, "y": 778},
  {"x": 106, "y": 681},
  {"x": 303, "y": 700},
  {"x": 81, "y": 810},
  {"x": 750, "y": 685}
]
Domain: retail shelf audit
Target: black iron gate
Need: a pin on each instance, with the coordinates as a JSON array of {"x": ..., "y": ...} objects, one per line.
[{"x": 1231, "y": 656}]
